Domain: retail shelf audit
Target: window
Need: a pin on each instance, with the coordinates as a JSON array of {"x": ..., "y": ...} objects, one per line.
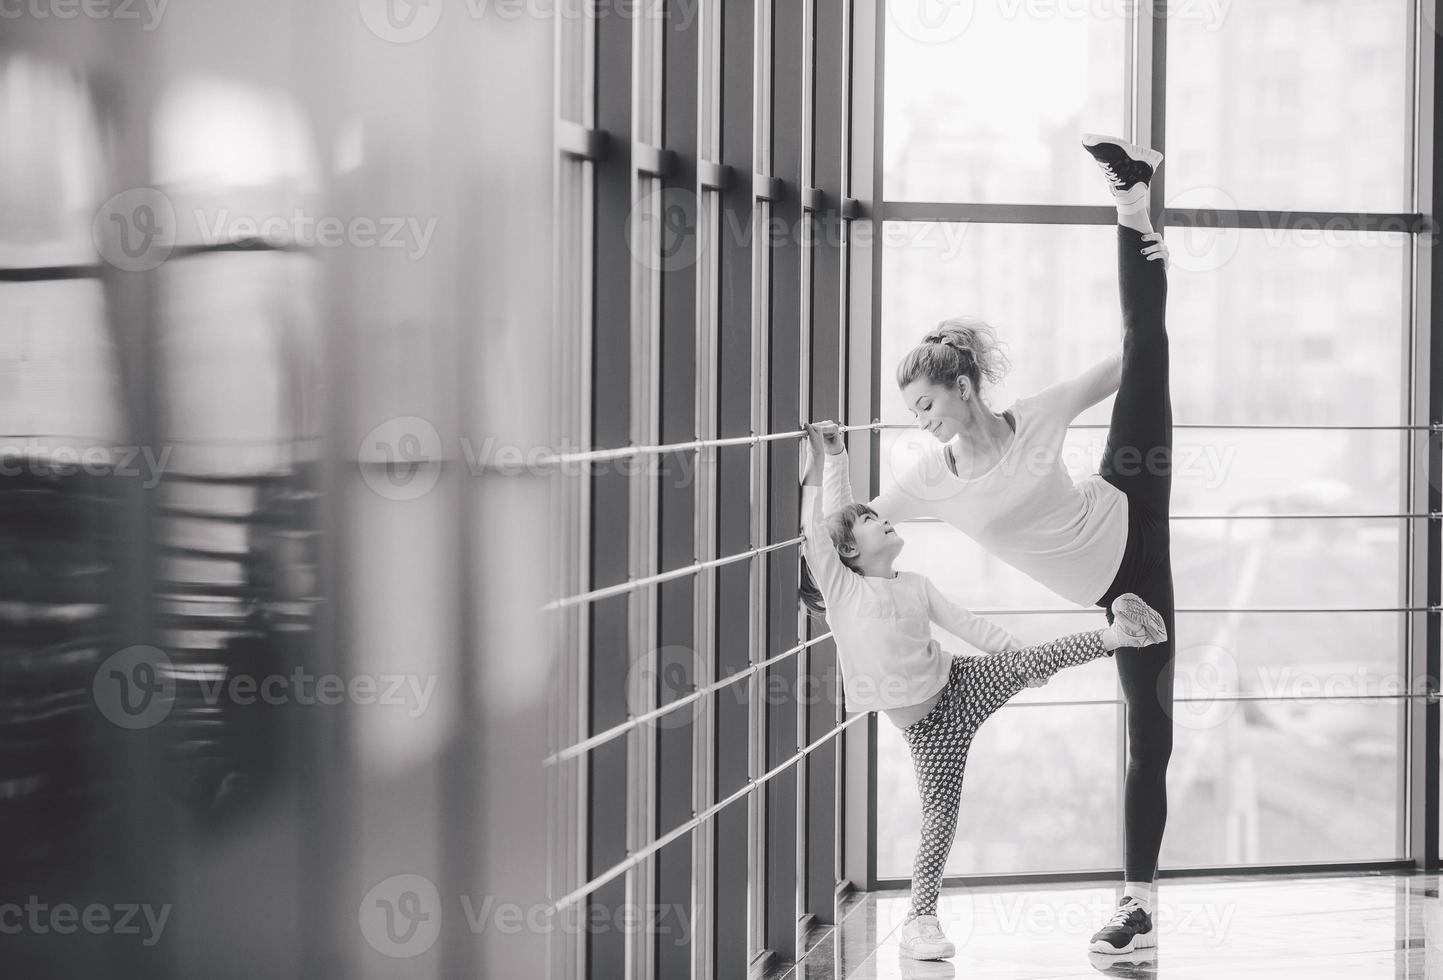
[{"x": 1290, "y": 340}]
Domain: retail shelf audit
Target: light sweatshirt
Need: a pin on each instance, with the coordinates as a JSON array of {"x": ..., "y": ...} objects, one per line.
[{"x": 882, "y": 626}]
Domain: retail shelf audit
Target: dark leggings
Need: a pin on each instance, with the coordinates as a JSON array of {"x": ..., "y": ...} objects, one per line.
[{"x": 1138, "y": 461}]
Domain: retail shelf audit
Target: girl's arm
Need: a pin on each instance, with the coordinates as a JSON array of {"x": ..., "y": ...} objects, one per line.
[
  {"x": 893, "y": 504},
  {"x": 1070, "y": 398},
  {"x": 832, "y": 577},
  {"x": 983, "y": 634}
]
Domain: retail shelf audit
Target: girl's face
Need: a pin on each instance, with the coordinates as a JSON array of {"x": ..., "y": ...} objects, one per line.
[
  {"x": 939, "y": 410},
  {"x": 875, "y": 538}
]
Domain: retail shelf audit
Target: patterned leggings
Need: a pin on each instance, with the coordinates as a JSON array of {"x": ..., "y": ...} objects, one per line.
[{"x": 976, "y": 687}]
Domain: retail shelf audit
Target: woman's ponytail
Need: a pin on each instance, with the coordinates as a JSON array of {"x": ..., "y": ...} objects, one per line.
[{"x": 964, "y": 346}]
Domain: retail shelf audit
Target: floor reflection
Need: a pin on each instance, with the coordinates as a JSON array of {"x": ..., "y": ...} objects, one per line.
[{"x": 1358, "y": 927}]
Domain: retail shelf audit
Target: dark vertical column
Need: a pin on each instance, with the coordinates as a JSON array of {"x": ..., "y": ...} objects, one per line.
[
  {"x": 676, "y": 658},
  {"x": 1159, "y": 105},
  {"x": 142, "y": 864},
  {"x": 783, "y": 410},
  {"x": 734, "y": 485},
  {"x": 825, "y": 401},
  {"x": 1425, "y": 816},
  {"x": 611, "y": 383},
  {"x": 863, "y": 275}
]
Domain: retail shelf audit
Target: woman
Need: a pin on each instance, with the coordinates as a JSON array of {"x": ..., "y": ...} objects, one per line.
[{"x": 999, "y": 478}]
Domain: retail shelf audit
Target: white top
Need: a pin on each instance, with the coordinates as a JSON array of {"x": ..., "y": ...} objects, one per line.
[
  {"x": 882, "y": 626},
  {"x": 1026, "y": 509}
]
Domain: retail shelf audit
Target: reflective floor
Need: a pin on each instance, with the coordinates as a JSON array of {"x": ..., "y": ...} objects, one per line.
[{"x": 1354, "y": 926}]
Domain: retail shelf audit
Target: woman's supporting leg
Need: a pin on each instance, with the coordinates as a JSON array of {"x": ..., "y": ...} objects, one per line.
[{"x": 1146, "y": 674}]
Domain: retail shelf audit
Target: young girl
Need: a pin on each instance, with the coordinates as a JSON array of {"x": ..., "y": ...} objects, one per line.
[{"x": 881, "y": 621}]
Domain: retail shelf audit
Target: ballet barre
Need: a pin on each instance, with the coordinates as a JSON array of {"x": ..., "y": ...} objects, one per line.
[
  {"x": 616, "y": 731},
  {"x": 747, "y": 788},
  {"x": 694, "y": 445}
]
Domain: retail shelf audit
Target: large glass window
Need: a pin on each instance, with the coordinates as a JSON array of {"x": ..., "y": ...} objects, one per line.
[
  {"x": 984, "y": 99},
  {"x": 1290, "y": 104},
  {"x": 1290, "y": 341}
]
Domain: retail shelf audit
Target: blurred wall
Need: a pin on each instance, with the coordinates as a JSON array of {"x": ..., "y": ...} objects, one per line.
[{"x": 281, "y": 272}]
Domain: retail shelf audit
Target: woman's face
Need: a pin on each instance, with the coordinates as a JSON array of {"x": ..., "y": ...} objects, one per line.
[{"x": 939, "y": 410}]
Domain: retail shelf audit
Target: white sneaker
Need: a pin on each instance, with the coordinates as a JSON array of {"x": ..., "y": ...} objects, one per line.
[
  {"x": 923, "y": 939},
  {"x": 1135, "y": 623}
]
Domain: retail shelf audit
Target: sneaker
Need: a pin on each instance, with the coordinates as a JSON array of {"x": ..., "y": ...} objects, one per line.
[
  {"x": 1138, "y": 963},
  {"x": 1135, "y": 623},
  {"x": 1130, "y": 928},
  {"x": 1125, "y": 164},
  {"x": 922, "y": 939}
]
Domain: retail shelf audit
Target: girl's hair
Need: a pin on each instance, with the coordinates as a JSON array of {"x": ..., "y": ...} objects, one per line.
[
  {"x": 962, "y": 346},
  {"x": 839, "y": 526}
]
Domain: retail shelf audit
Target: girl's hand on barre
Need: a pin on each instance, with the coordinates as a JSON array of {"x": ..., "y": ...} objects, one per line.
[{"x": 830, "y": 435}]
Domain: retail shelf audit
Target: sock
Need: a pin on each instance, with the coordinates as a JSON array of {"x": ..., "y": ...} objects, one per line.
[
  {"x": 1132, "y": 200},
  {"x": 1140, "y": 890}
]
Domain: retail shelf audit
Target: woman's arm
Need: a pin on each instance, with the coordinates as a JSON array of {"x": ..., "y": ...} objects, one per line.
[
  {"x": 1071, "y": 398},
  {"x": 983, "y": 634}
]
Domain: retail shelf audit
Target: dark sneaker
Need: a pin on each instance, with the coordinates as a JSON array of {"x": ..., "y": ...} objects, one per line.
[
  {"x": 1130, "y": 928},
  {"x": 1125, "y": 164}
]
